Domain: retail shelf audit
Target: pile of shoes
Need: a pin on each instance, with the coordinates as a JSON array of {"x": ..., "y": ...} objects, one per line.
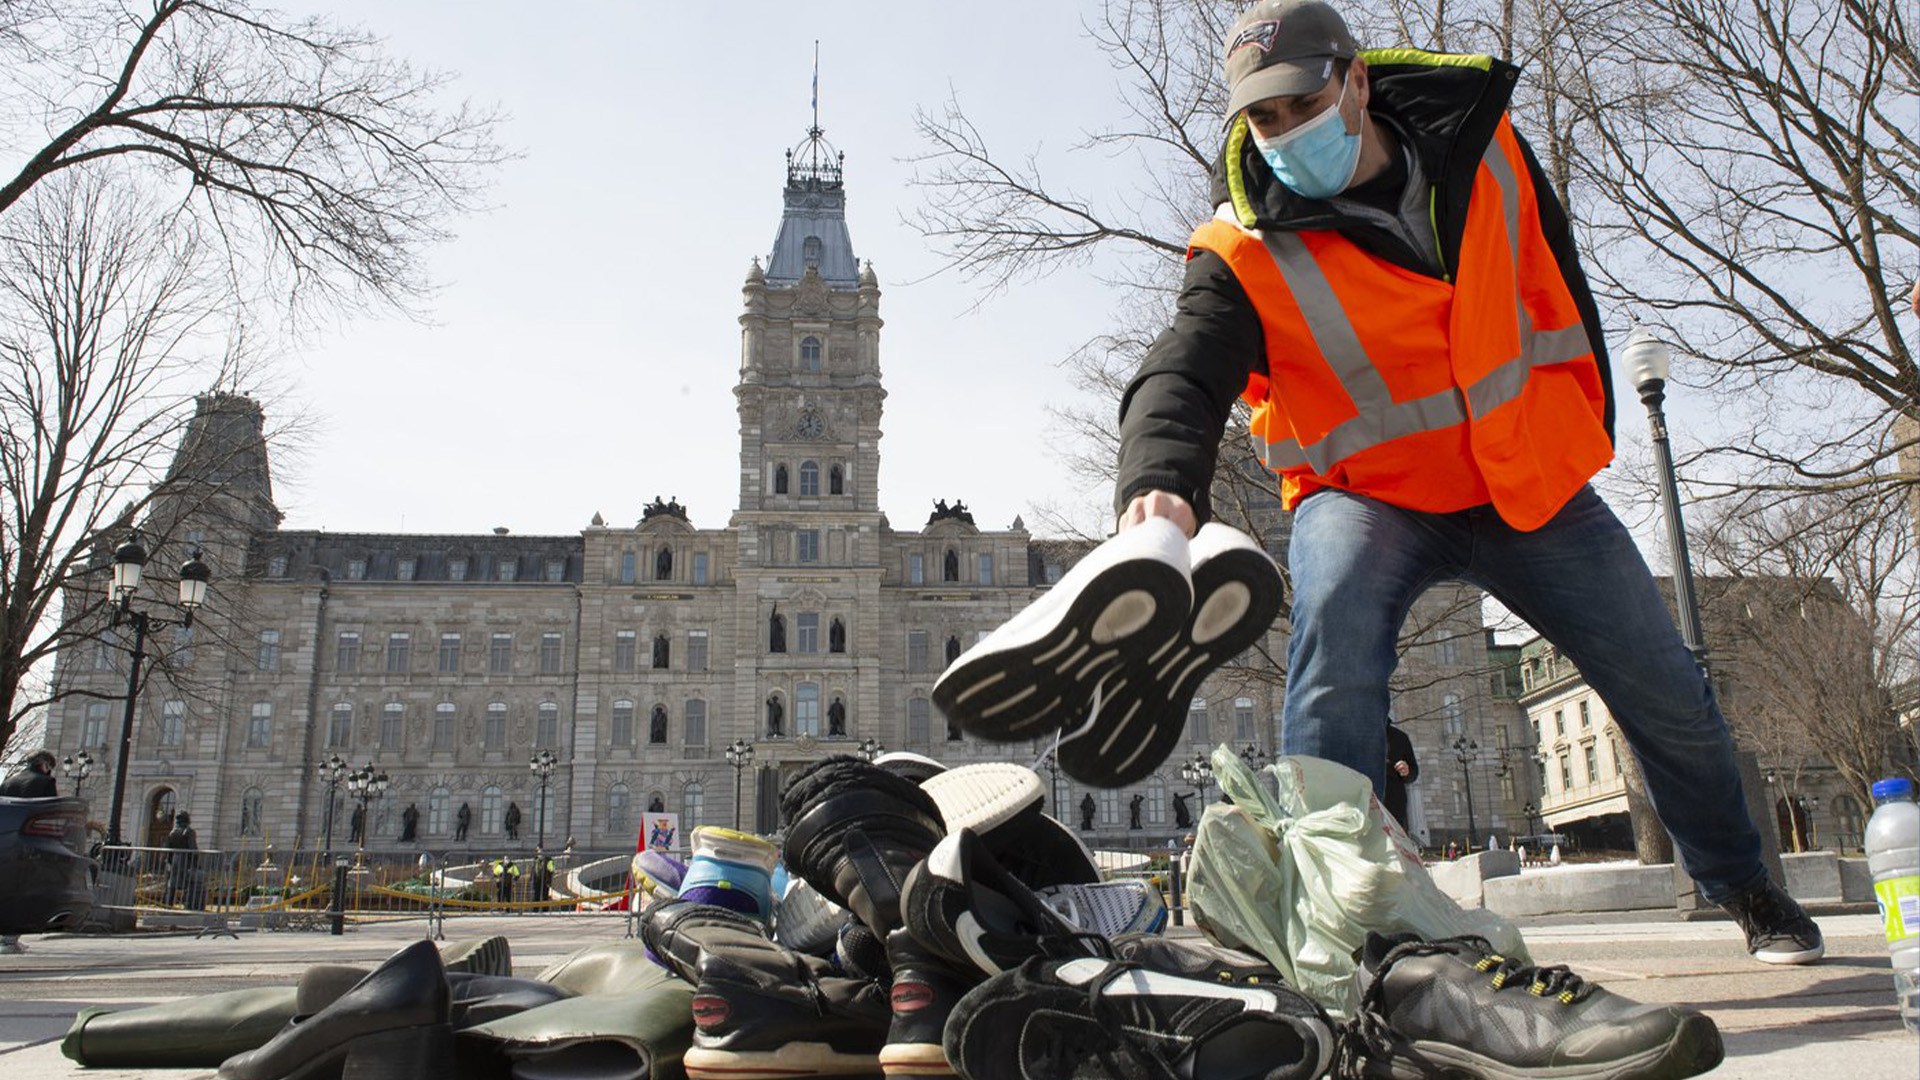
[{"x": 971, "y": 936}]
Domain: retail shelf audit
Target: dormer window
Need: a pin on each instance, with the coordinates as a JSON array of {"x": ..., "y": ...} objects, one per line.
[
  {"x": 810, "y": 250},
  {"x": 810, "y": 353}
]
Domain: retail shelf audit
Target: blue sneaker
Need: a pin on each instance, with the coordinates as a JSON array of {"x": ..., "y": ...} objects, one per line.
[{"x": 729, "y": 869}]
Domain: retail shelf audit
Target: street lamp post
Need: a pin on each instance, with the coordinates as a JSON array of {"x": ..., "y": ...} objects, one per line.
[
  {"x": 78, "y": 767},
  {"x": 129, "y": 562},
  {"x": 366, "y": 785},
  {"x": 541, "y": 765},
  {"x": 739, "y": 755},
  {"x": 331, "y": 772},
  {"x": 1465, "y": 750},
  {"x": 1051, "y": 763},
  {"x": 1255, "y": 757},
  {"x": 1198, "y": 773},
  {"x": 1648, "y": 363}
]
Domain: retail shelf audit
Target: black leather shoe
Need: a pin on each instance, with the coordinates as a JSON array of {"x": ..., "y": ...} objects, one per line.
[
  {"x": 924, "y": 991},
  {"x": 393, "y": 1024},
  {"x": 674, "y": 931},
  {"x": 854, "y": 831},
  {"x": 761, "y": 1012}
]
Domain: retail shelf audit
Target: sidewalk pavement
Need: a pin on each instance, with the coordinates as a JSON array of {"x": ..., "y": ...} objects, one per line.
[{"x": 1833, "y": 1019}]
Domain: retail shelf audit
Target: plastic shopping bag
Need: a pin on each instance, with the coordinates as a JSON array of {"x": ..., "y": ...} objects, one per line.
[{"x": 1341, "y": 867}]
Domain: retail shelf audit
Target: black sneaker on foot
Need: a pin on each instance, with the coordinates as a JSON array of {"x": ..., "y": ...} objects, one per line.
[
  {"x": 1454, "y": 1008},
  {"x": 1237, "y": 591},
  {"x": 854, "y": 830},
  {"x": 1095, "y": 1018},
  {"x": 1778, "y": 932},
  {"x": 925, "y": 989},
  {"x": 1125, "y": 601},
  {"x": 761, "y": 1012},
  {"x": 965, "y": 907}
]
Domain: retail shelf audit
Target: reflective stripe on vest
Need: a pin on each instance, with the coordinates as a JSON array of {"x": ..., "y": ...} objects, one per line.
[{"x": 1379, "y": 418}]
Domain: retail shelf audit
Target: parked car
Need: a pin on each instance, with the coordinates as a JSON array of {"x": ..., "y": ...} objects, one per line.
[{"x": 44, "y": 868}]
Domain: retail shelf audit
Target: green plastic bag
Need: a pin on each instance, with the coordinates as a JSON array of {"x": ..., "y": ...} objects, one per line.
[{"x": 1301, "y": 877}]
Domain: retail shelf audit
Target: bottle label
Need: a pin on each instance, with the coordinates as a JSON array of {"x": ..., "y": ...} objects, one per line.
[{"x": 1899, "y": 907}]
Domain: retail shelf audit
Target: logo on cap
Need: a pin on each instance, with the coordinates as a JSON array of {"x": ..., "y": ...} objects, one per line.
[{"x": 1262, "y": 33}]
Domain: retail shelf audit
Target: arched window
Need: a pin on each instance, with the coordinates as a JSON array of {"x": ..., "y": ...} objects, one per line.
[
  {"x": 809, "y": 478},
  {"x": 692, "y": 804},
  {"x": 663, "y": 564},
  {"x": 438, "y": 818},
  {"x": 810, "y": 345},
  {"x": 340, "y": 728},
  {"x": 493, "y": 805},
  {"x": 495, "y": 736},
  {"x": 836, "y": 481},
  {"x": 393, "y": 722},
  {"x": 443, "y": 715},
  {"x": 779, "y": 479},
  {"x": 917, "y": 721},
  {"x": 806, "y": 709},
  {"x": 623, "y": 722},
  {"x": 1197, "y": 731},
  {"x": 252, "y": 801},
  {"x": 619, "y": 807},
  {"x": 951, "y": 570}
]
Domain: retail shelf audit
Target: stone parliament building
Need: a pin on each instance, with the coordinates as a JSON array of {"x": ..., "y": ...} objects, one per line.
[{"x": 637, "y": 654}]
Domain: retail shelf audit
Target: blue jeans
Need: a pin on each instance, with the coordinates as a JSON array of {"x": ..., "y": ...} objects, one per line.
[{"x": 1359, "y": 564}]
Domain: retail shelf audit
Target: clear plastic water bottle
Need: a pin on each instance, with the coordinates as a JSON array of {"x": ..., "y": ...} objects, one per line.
[{"x": 1893, "y": 854}]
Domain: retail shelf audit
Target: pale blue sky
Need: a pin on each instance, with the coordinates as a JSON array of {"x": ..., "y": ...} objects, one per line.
[{"x": 582, "y": 352}]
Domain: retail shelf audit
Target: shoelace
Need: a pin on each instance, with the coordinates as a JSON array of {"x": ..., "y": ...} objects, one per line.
[
  {"x": 1070, "y": 1045},
  {"x": 1368, "y": 1035},
  {"x": 1764, "y": 911}
]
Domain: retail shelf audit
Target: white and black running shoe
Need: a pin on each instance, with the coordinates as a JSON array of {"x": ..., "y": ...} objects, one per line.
[
  {"x": 984, "y": 796},
  {"x": 1102, "y": 1019},
  {"x": 1456, "y": 1009},
  {"x": 1109, "y": 908},
  {"x": 1237, "y": 591},
  {"x": 1122, "y": 604},
  {"x": 968, "y": 909}
]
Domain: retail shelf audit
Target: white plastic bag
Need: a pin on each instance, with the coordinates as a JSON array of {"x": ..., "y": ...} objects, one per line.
[{"x": 1340, "y": 867}]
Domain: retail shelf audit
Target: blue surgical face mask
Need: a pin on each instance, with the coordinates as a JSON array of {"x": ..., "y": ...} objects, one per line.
[{"x": 1319, "y": 157}]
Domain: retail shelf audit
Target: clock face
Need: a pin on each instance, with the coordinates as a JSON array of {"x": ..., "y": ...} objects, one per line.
[{"x": 810, "y": 426}]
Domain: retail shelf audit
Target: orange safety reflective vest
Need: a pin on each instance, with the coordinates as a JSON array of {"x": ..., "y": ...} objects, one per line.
[{"x": 1431, "y": 394}]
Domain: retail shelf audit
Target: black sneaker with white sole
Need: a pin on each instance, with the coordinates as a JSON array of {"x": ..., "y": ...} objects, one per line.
[
  {"x": 1124, "y": 602},
  {"x": 1100, "y": 1019},
  {"x": 674, "y": 931},
  {"x": 1237, "y": 592},
  {"x": 925, "y": 990},
  {"x": 1456, "y": 1009},
  {"x": 965, "y": 907},
  {"x": 1004, "y": 804},
  {"x": 1778, "y": 931},
  {"x": 761, "y": 1012}
]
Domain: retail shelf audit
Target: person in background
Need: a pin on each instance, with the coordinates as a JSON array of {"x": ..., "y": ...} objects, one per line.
[
  {"x": 33, "y": 780},
  {"x": 1402, "y": 769}
]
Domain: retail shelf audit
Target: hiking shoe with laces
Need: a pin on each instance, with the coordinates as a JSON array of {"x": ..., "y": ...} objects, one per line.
[
  {"x": 1454, "y": 1008},
  {"x": 925, "y": 990},
  {"x": 1101, "y": 1019},
  {"x": 854, "y": 831},
  {"x": 965, "y": 907},
  {"x": 761, "y": 1012},
  {"x": 1778, "y": 931},
  {"x": 1237, "y": 591},
  {"x": 1123, "y": 603}
]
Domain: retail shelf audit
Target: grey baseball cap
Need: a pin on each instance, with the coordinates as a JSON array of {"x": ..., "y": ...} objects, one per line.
[{"x": 1281, "y": 48}]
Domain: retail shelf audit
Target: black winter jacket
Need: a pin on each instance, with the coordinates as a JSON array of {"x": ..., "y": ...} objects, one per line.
[
  {"x": 29, "y": 783},
  {"x": 1174, "y": 411}
]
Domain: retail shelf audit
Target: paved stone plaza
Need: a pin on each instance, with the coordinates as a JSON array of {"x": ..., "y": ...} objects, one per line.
[{"x": 1834, "y": 1019}]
